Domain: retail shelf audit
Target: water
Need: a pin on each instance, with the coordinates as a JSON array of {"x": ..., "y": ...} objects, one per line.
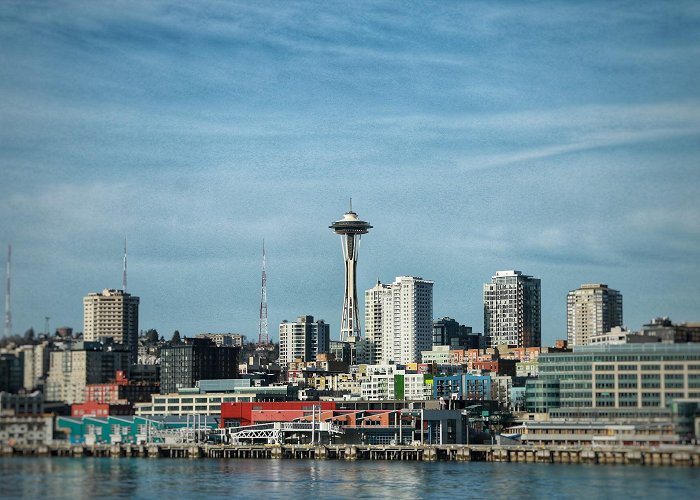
[{"x": 78, "y": 478}]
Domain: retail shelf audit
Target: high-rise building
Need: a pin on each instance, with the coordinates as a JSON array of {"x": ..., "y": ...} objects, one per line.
[
  {"x": 115, "y": 314},
  {"x": 593, "y": 309},
  {"x": 512, "y": 310},
  {"x": 36, "y": 365},
  {"x": 398, "y": 320},
  {"x": 182, "y": 366},
  {"x": 304, "y": 339},
  {"x": 379, "y": 324}
]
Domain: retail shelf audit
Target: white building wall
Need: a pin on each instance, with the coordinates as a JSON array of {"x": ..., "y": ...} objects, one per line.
[{"x": 399, "y": 319}]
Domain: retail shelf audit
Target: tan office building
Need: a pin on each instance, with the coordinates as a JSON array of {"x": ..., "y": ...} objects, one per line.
[
  {"x": 591, "y": 310},
  {"x": 112, "y": 313}
]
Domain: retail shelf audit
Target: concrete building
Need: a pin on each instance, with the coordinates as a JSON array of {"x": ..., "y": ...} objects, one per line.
[
  {"x": 591, "y": 310},
  {"x": 304, "y": 340},
  {"x": 115, "y": 314},
  {"x": 512, "y": 310},
  {"x": 382, "y": 382},
  {"x": 224, "y": 339},
  {"x": 26, "y": 429},
  {"x": 186, "y": 364},
  {"x": 664, "y": 330},
  {"x": 207, "y": 399},
  {"x": 447, "y": 331},
  {"x": 11, "y": 370},
  {"x": 83, "y": 363},
  {"x": 36, "y": 365},
  {"x": 22, "y": 404},
  {"x": 121, "y": 390},
  {"x": 399, "y": 319},
  {"x": 464, "y": 386},
  {"x": 592, "y": 433},
  {"x": 630, "y": 377}
]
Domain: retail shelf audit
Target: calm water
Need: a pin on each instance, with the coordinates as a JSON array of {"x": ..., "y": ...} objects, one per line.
[{"x": 78, "y": 478}]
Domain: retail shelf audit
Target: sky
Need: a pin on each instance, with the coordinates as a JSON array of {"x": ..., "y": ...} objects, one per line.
[{"x": 561, "y": 139}]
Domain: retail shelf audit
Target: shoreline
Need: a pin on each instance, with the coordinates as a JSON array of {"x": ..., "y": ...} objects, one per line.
[{"x": 683, "y": 455}]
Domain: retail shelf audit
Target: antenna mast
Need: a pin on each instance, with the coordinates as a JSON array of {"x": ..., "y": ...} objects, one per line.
[
  {"x": 124, "y": 270},
  {"x": 263, "y": 338},
  {"x": 8, "y": 312}
]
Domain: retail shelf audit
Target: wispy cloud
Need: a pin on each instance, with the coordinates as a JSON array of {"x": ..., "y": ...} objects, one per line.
[{"x": 550, "y": 135}]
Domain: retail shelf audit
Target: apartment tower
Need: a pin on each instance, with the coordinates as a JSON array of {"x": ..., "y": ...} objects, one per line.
[
  {"x": 304, "y": 339},
  {"x": 593, "y": 309},
  {"x": 512, "y": 310},
  {"x": 115, "y": 314},
  {"x": 398, "y": 320}
]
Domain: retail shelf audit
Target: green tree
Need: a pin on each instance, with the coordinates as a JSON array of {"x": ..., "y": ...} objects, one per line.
[{"x": 152, "y": 336}]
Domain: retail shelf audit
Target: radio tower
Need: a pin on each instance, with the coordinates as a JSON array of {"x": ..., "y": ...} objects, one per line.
[
  {"x": 263, "y": 338},
  {"x": 8, "y": 312},
  {"x": 124, "y": 270}
]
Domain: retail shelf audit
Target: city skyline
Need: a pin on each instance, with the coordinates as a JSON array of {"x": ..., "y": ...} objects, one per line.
[{"x": 557, "y": 139}]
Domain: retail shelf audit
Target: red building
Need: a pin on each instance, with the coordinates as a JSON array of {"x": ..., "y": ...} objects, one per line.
[
  {"x": 499, "y": 366},
  {"x": 120, "y": 391},
  {"x": 246, "y": 413},
  {"x": 95, "y": 409}
]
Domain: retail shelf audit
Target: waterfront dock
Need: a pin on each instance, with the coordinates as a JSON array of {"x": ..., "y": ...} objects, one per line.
[{"x": 618, "y": 455}]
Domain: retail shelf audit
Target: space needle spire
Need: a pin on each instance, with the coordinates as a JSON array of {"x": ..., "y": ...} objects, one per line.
[
  {"x": 8, "y": 311},
  {"x": 263, "y": 337},
  {"x": 351, "y": 229},
  {"x": 124, "y": 269}
]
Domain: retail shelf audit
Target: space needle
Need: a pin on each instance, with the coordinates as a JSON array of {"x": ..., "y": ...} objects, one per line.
[{"x": 351, "y": 229}]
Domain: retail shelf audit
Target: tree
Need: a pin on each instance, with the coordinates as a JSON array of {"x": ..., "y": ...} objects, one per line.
[
  {"x": 176, "y": 338},
  {"x": 29, "y": 335},
  {"x": 152, "y": 336}
]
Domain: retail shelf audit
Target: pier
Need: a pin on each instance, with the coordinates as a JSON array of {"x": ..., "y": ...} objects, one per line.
[{"x": 688, "y": 456}]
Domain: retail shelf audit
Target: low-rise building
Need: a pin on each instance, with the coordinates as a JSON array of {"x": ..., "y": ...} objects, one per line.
[
  {"x": 621, "y": 376},
  {"x": 91, "y": 430},
  {"x": 80, "y": 364},
  {"x": 194, "y": 402},
  {"x": 22, "y": 404},
  {"x": 465, "y": 386},
  {"x": 26, "y": 429},
  {"x": 121, "y": 390},
  {"x": 395, "y": 382},
  {"x": 224, "y": 339},
  {"x": 593, "y": 433}
]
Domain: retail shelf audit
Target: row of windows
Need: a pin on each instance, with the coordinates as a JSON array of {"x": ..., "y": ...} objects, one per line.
[{"x": 185, "y": 408}]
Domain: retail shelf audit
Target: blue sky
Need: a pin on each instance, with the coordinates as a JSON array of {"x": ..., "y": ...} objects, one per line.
[{"x": 558, "y": 138}]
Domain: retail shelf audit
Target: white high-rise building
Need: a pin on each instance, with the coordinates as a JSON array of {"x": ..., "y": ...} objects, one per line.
[
  {"x": 592, "y": 310},
  {"x": 303, "y": 339},
  {"x": 115, "y": 314},
  {"x": 398, "y": 320},
  {"x": 512, "y": 310},
  {"x": 379, "y": 325}
]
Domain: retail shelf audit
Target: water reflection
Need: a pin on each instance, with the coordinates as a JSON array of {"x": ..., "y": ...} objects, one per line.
[{"x": 78, "y": 478}]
